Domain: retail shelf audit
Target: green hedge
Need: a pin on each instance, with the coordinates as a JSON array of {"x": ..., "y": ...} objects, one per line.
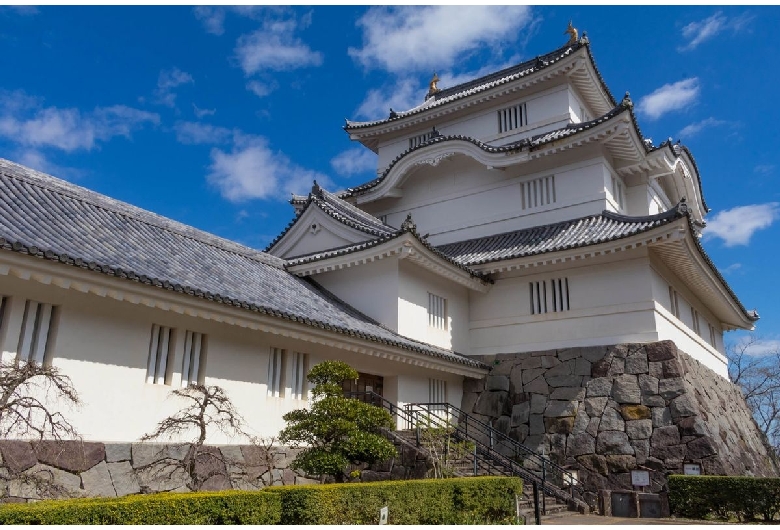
[
  {"x": 743, "y": 498},
  {"x": 434, "y": 501},
  {"x": 223, "y": 507}
]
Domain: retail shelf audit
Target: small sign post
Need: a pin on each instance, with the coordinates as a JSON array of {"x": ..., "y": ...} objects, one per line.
[
  {"x": 691, "y": 469},
  {"x": 383, "y": 515},
  {"x": 640, "y": 478}
]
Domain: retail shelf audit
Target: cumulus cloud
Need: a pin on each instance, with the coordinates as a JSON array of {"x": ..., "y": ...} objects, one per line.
[
  {"x": 757, "y": 347},
  {"x": 695, "y": 128},
  {"x": 275, "y": 47},
  {"x": 737, "y": 225},
  {"x": 734, "y": 267},
  {"x": 401, "y": 95},
  {"x": 404, "y": 38},
  {"x": 212, "y": 18},
  {"x": 260, "y": 89},
  {"x": 192, "y": 132},
  {"x": 37, "y": 160},
  {"x": 670, "y": 97},
  {"x": 166, "y": 82},
  {"x": 702, "y": 30},
  {"x": 354, "y": 161},
  {"x": 25, "y": 121},
  {"x": 252, "y": 170}
]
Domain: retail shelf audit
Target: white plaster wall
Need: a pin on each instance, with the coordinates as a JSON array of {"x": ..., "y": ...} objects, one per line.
[
  {"x": 414, "y": 285},
  {"x": 414, "y": 389},
  {"x": 371, "y": 288},
  {"x": 304, "y": 238}
]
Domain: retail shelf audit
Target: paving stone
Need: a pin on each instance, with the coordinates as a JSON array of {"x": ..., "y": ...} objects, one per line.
[
  {"x": 653, "y": 401},
  {"x": 655, "y": 370},
  {"x": 641, "y": 450},
  {"x": 123, "y": 478},
  {"x": 469, "y": 400},
  {"x": 581, "y": 420},
  {"x": 536, "y": 424},
  {"x": 116, "y": 452},
  {"x": 473, "y": 385},
  {"x": 530, "y": 362},
  {"x": 672, "y": 368},
  {"x": 97, "y": 481},
  {"x": 144, "y": 454},
  {"x": 538, "y": 403},
  {"x": 593, "y": 426},
  {"x": 62, "y": 482},
  {"x": 701, "y": 448},
  {"x": 692, "y": 426},
  {"x": 617, "y": 367}
]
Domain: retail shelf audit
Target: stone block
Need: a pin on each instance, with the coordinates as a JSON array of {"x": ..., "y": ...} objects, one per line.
[
  {"x": 692, "y": 426},
  {"x": 613, "y": 443},
  {"x": 558, "y": 409},
  {"x": 641, "y": 450},
  {"x": 529, "y": 362},
  {"x": 536, "y": 443},
  {"x": 655, "y": 370},
  {"x": 636, "y": 363},
  {"x": 581, "y": 420},
  {"x": 564, "y": 368},
  {"x": 537, "y": 386},
  {"x": 71, "y": 455},
  {"x": 595, "y": 463},
  {"x": 177, "y": 451},
  {"x": 611, "y": 420},
  {"x": 473, "y": 385},
  {"x": 468, "y": 402},
  {"x": 599, "y": 387},
  {"x": 531, "y": 374},
  {"x": 661, "y": 351},
  {"x": 600, "y": 368},
  {"x": 559, "y": 425},
  {"x": 497, "y": 382},
  {"x": 635, "y": 412},
  {"x": 620, "y": 463},
  {"x": 520, "y": 413},
  {"x": 568, "y": 393},
  {"x": 682, "y": 406},
  {"x": 491, "y": 403},
  {"x": 672, "y": 368},
  {"x": 116, "y": 452},
  {"x": 671, "y": 388},
  {"x": 671, "y": 455},
  {"x": 536, "y": 424},
  {"x": 18, "y": 456},
  {"x": 653, "y": 401},
  {"x": 548, "y": 362},
  {"x": 519, "y": 433},
  {"x": 665, "y": 436},
  {"x": 502, "y": 424},
  {"x": 593, "y": 353},
  {"x": 594, "y": 406},
  {"x": 593, "y": 426},
  {"x": 617, "y": 367},
  {"x": 661, "y": 417},
  {"x": 654, "y": 463},
  {"x": 701, "y": 448},
  {"x": 566, "y": 354},
  {"x": 563, "y": 380},
  {"x": 639, "y": 429},
  {"x": 209, "y": 463},
  {"x": 45, "y": 478},
  {"x": 144, "y": 454},
  {"x": 162, "y": 477},
  {"x": 648, "y": 384},
  {"x": 123, "y": 478},
  {"x": 626, "y": 389},
  {"x": 97, "y": 481},
  {"x": 580, "y": 444},
  {"x": 582, "y": 367},
  {"x": 538, "y": 403},
  {"x": 501, "y": 367}
]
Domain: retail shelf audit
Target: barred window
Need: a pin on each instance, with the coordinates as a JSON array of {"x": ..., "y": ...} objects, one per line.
[
  {"x": 674, "y": 302},
  {"x": 437, "y": 311},
  {"x": 549, "y": 296},
  {"x": 276, "y": 373},
  {"x": 160, "y": 360},
  {"x": 299, "y": 369},
  {"x": 34, "y": 335},
  {"x": 193, "y": 365},
  {"x": 537, "y": 192},
  {"x": 512, "y": 118}
]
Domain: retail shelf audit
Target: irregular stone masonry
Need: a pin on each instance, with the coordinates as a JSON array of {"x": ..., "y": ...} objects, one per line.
[
  {"x": 31, "y": 471},
  {"x": 607, "y": 410}
]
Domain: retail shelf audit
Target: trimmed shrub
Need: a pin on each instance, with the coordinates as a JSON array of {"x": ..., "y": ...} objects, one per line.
[
  {"x": 434, "y": 501},
  {"x": 743, "y": 498},
  {"x": 223, "y": 507}
]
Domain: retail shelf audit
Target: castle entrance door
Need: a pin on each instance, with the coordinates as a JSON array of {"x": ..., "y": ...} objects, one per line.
[{"x": 364, "y": 384}]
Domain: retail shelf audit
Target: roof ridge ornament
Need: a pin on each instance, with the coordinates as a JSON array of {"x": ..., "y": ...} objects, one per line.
[
  {"x": 432, "y": 88},
  {"x": 584, "y": 39},
  {"x": 316, "y": 190},
  {"x": 572, "y": 32},
  {"x": 408, "y": 225},
  {"x": 626, "y": 102},
  {"x": 682, "y": 207}
]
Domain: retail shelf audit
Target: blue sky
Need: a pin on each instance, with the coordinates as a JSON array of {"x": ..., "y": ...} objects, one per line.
[{"x": 213, "y": 116}]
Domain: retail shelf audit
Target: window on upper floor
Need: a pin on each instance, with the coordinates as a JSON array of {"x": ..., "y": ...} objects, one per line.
[
  {"x": 193, "y": 365},
  {"x": 713, "y": 335},
  {"x": 549, "y": 296},
  {"x": 420, "y": 139},
  {"x": 695, "y": 320},
  {"x": 437, "y": 311},
  {"x": 299, "y": 367},
  {"x": 511, "y": 118},
  {"x": 36, "y": 331},
  {"x": 276, "y": 373},
  {"x": 537, "y": 192},
  {"x": 618, "y": 192},
  {"x": 437, "y": 391},
  {"x": 584, "y": 116},
  {"x": 674, "y": 302},
  {"x": 160, "y": 361}
]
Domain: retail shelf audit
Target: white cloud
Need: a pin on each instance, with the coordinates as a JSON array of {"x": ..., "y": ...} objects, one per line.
[
  {"x": 213, "y": 18},
  {"x": 702, "y": 30},
  {"x": 409, "y": 38},
  {"x": 757, "y": 347},
  {"x": 251, "y": 170},
  {"x": 734, "y": 267},
  {"x": 737, "y": 225},
  {"x": 26, "y": 122},
  {"x": 192, "y": 132},
  {"x": 37, "y": 160},
  {"x": 260, "y": 89},
  {"x": 200, "y": 113},
  {"x": 166, "y": 82},
  {"x": 403, "y": 95},
  {"x": 764, "y": 169},
  {"x": 354, "y": 161},
  {"x": 669, "y": 97},
  {"x": 274, "y": 47},
  {"x": 695, "y": 128}
]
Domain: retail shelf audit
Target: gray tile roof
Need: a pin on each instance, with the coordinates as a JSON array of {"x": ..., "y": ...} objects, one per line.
[
  {"x": 565, "y": 235},
  {"x": 61, "y": 222}
]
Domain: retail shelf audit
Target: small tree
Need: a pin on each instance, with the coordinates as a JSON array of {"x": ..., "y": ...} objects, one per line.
[
  {"x": 336, "y": 431},
  {"x": 209, "y": 408}
]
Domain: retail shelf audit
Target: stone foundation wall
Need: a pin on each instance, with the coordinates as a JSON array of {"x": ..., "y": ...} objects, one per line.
[
  {"x": 610, "y": 409},
  {"x": 49, "y": 469}
]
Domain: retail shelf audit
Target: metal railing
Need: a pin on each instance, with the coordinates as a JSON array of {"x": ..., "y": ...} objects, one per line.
[{"x": 493, "y": 451}]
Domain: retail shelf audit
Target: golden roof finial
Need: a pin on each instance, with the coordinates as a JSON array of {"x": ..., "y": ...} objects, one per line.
[
  {"x": 432, "y": 88},
  {"x": 572, "y": 31}
]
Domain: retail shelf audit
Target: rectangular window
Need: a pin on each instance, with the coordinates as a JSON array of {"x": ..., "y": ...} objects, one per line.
[
  {"x": 584, "y": 116},
  {"x": 420, "y": 139},
  {"x": 695, "y": 320},
  {"x": 299, "y": 368},
  {"x": 674, "y": 303},
  {"x": 618, "y": 193},
  {"x": 549, "y": 296},
  {"x": 713, "y": 335},
  {"x": 437, "y": 391},
  {"x": 512, "y": 118},
  {"x": 537, "y": 192},
  {"x": 193, "y": 364},
  {"x": 276, "y": 373},
  {"x": 437, "y": 311},
  {"x": 159, "y": 365},
  {"x": 35, "y": 332}
]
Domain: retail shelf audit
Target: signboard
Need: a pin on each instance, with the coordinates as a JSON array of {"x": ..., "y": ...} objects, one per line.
[
  {"x": 691, "y": 469},
  {"x": 383, "y": 515},
  {"x": 640, "y": 477}
]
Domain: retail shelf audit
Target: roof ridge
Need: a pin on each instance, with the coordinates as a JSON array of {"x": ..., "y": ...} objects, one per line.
[{"x": 53, "y": 184}]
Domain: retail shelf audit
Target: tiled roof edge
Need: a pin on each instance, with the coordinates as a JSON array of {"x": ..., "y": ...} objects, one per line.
[{"x": 50, "y": 255}]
